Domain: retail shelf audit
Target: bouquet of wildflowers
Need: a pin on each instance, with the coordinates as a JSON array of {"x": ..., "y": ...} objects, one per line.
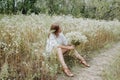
[{"x": 76, "y": 38}]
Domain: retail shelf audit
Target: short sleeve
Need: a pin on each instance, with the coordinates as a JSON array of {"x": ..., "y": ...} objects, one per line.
[{"x": 64, "y": 39}]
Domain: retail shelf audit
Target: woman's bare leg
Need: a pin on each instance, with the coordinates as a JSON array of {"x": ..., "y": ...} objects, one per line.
[
  {"x": 62, "y": 61},
  {"x": 78, "y": 55},
  {"x": 64, "y": 50},
  {"x": 75, "y": 53},
  {"x": 61, "y": 58},
  {"x": 82, "y": 60}
]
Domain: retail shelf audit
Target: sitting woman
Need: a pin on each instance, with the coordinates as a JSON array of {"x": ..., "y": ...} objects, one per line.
[{"x": 58, "y": 40}]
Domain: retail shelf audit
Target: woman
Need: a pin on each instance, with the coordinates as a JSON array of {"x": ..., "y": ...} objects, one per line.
[{"x": 58, "y": 40}]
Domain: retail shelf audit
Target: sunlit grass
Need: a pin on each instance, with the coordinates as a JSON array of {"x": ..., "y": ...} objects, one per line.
[
  {"x": 23, "y": 40},
  {"x": 113, "y": 71}
]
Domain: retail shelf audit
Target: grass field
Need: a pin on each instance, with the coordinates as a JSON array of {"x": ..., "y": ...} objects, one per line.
[
  {"x": 113, "y": 71},
  {"x": 23, "y": 39}
]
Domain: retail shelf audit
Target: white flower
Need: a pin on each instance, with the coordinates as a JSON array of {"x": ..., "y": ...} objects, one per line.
[{"x": 76, "y": 37}]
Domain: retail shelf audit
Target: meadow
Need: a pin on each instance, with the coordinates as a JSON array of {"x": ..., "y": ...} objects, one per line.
[
  {"x": 23, "y": 39},
  {"x": 112, "y": 72}
]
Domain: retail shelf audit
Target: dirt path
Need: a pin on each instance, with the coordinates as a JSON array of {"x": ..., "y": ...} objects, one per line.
[{"x": 97, "y": 65}]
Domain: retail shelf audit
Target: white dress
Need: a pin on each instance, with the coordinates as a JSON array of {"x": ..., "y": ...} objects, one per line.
[{"x": 54, "y": 41}]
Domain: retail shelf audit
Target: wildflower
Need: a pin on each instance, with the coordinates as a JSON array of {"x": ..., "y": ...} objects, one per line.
[{"x": 76, "y": 38}]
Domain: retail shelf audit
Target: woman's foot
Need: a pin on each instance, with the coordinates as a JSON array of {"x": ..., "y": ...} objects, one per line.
[
  {"x": 68, "y": 72},
  {"x": 84, "y": 63}
]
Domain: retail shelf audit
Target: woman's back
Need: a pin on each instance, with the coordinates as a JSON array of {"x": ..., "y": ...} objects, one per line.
[{"x": 54, "y": 41}]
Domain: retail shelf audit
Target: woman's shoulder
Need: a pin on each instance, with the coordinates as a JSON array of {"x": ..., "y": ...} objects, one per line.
[
  {"x": 61, "y": 34},
  {"x": 51, "y": 35}
]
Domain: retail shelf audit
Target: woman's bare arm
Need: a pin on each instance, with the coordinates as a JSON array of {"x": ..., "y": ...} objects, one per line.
[{"x": 66, "y": 47}]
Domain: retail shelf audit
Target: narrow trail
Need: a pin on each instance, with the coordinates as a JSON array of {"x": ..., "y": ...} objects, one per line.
[{"x": 98, "y": 64}]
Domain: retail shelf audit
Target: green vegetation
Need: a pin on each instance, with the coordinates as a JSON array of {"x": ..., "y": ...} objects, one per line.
[
  {"x": 98, "y": 9},
  {"x": 24, "y": 28}
]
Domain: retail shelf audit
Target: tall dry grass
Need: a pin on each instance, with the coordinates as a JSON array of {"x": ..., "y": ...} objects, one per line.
[
  {"x": 113, "y": 71},
  {"x": 23, "y": 39}
]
